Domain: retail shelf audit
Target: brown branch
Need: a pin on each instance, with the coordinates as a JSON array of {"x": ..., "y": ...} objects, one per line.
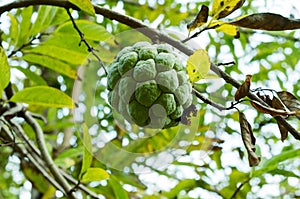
[{"x": 151, "y": 33}]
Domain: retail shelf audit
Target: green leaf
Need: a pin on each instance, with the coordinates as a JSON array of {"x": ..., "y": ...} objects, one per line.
[
  {"x": 4, "y": 71},
  {"x": 198, "y": 65},
  {"x": 52, "y": 63},
  {"x": 25, "y": 26},
  {"x": 47, "y": 16},
  {"x": 119, "y": 191},
  {"x": 87, "y": 154},
  {"x": 92, "y": 31},
  {"x": 43, "y": 96},
  {"x": 94, "y": 174},
  {"x": 71, "y": 153},
  {"x": 13, "y": 29},
  {"x": 273, "y": 163},
  {"x": 267, "y": 21},
  {"x": 223, "y": 8},
  {"x": 37, "y": 79},
  {"x": 65, "y": 54},
  {"x": 84, "y": 5}
]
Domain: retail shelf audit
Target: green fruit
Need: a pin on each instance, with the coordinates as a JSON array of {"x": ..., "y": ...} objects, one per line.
[{"x": 148, "y": 86}]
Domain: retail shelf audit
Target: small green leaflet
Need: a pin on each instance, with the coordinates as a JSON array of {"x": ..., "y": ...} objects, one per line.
[
  {"x": 198, "y": 65},
  {"x": 87, "y": 154},
  {"x": 84, "y": 5},
  {"x": 43, "y": 96},
  {"x": 94, "y": 174},
  {"x": 4, "y": 71}
]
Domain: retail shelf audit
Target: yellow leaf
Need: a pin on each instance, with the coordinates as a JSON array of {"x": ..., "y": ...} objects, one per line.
[
  {"x": 198, "y": 65},
  {"x": 229, "y": 30},
  {"x": 222, "y": 8},
  {"x": 225, "y": 27}
]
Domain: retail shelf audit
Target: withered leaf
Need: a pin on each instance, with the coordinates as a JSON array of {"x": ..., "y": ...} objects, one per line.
[
  {"x": 272, "y": 111},
  {"x": 277, "y": 104},
  {"x": 267, "y": 21},
  {"x": 283, "y": 131},
  {"x": 200, "y": 19},
  {"x": 223, "y": 8},
  {"x": 290, "y": 101},
  {"x": 187, "y": 114},
  {"x": 248, "y": 140},
  {"x": 243, "y": 90}
]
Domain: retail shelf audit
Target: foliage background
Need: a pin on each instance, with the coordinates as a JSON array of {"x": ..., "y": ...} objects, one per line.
[{"x": 42, "y": 49}]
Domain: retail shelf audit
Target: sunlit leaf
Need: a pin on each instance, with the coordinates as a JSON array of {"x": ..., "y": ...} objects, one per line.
[
  {"x": 65, "y": 54},
  {"x": 94, "y": 174},
  {"x": 87, "y": 154},
  {"x": 52, "y": 63},
  {"x": 200, "y": 19},
  {"x": 84, "y": 5},
  {"x": 43, "y": 96},
  {"x": 198, "y": 65},
  {"x": 48, "y": 16},
  {"x": 243, "y": 90},
  {"x": 248, "y": 140},
  {"x": 13, "y": 29},
  {"x": 229, "y": 30},
  {"x": 267, "y": 21},
  {"x": 25, "y": 26},
  {"x": 91, "y": 30},
  {"x": 290, "y": 101},
  {"x": 222, "y": 8},
  {"x": 4, "y": 71}
]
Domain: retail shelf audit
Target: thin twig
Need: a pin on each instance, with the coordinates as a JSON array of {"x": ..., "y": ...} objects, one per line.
[
  {"x": 24, "y": 45},
  {"x": 198, "y": 33},
  {"x": 28, "y": 153},
  {"x": 82, "y": 39},
  {"x": 46, "y": 156},
  {"x": 213, "y": 104},
  {"x": 239, "y": 188}
]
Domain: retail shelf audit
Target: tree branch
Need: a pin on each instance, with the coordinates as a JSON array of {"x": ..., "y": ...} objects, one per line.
[
  {"x": 151, "y": 33},
  {"x": 28, "y": 153},
  {"x": 46, "y": 156},
  {"x": 90, "y": 48}
]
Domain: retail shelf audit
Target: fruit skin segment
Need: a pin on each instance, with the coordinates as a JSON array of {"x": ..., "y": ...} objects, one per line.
[{"x": 148, "y": 85}]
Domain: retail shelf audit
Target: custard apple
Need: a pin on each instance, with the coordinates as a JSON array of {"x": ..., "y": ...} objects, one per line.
[{"x": 148, "y": 85}]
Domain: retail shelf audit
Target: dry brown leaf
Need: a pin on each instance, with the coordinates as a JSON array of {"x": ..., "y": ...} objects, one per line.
[
  {"x": 274, "y": 112},
  {"x": 267, "y": 21},
  {"x": 283, "y": 131},
  {"x": 243, "y": 90},
  {"x": 248, "y": 140},
  {"x": 290, "y": 101},
  {"x": 200, "y": 19}
]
